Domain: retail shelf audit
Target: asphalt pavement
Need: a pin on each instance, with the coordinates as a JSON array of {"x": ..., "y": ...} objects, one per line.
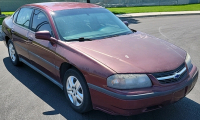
[{"x": 27, "y": 95}]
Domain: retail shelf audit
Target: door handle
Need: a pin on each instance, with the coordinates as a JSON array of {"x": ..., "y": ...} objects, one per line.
[{"x": 30, "y": 39}]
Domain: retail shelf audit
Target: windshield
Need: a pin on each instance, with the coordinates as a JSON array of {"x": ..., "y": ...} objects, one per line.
[{"x": 88, "y": 23}]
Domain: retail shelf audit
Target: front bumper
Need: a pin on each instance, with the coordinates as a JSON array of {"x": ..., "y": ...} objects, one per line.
[{"x": 119, "y": 104}]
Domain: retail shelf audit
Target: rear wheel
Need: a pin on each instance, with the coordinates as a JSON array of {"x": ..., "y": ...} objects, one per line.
[
  {"x": 13, "y": 54},
  {"x": 76, "y": 91}
]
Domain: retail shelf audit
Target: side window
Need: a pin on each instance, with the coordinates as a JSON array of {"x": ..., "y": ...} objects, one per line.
[
  {"x": 15, "y": 15},
  {"x": 24, "y": 16},
  {"x": 40, "y": 22}
]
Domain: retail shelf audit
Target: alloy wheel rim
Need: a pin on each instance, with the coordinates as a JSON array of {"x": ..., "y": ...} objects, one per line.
[
  {"x": 12, "y": 52},
  {"x": 74, "y": 90}
]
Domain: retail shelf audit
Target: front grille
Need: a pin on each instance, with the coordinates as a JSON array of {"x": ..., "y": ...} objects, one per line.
[{"x": 168, "y": 77}]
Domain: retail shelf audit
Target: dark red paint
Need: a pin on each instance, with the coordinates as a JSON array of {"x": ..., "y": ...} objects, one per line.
[
  {"x": 45, "y": 35},
  {"x": 99, "y": 59},
  {"x": 116, "y": 106}
]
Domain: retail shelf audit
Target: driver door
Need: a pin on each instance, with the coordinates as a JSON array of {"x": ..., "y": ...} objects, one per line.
[{"x": 41, "y": 52}]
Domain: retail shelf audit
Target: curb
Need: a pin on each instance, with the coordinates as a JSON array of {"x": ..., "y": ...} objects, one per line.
[{"x": 159, "y": 14}]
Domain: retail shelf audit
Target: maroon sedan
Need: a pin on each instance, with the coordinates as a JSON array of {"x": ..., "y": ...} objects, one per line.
[{"x": 96, "y": 59}]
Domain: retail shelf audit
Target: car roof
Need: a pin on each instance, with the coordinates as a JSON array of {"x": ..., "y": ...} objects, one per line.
[{"x": 55, "y": 6}]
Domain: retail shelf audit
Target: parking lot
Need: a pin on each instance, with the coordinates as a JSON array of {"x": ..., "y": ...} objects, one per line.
[{"x": 25, "y": 94}]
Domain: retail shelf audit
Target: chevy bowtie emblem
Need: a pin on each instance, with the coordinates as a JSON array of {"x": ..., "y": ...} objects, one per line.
[{"x": 176, "y": 75}]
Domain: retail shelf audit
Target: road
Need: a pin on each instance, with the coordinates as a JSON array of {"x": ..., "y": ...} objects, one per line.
[{"x": 25, "y": 94}]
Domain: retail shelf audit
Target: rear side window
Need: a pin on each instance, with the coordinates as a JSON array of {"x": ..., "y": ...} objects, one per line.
[
  {"x": 24, "y": 16},
  {"x": 40, "y": 22}
]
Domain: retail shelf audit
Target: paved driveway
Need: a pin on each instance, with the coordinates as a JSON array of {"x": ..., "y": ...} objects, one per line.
[{"x": 25, "y": 94}]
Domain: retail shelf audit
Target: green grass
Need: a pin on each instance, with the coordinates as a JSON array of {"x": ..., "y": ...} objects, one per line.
[
  {"x": 7, "y": 13},
  {"x": 1, "y": 20},
  {"x": 143, "y": 9}
]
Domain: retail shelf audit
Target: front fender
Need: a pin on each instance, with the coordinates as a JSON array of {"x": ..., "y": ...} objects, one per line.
[{"x": 94, "y": 71}]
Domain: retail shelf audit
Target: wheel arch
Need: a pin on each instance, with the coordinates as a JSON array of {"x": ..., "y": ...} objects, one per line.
[
  {"x": 66, "y": 66},
  {"x": 7, "y": 39}
]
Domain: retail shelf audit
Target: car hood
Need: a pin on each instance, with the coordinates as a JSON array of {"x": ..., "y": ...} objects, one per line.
[{"x": 134, "y": 53}]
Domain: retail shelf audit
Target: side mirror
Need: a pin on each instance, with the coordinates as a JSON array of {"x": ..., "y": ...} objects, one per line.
[
  {"x": 44, "y": 35},
  {"x": 126, "y": 23}
]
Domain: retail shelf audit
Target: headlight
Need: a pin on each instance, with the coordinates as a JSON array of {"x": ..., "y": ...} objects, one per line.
[
  {"x": 188, "y": 62},
  {"x": 128, "y": 81}
]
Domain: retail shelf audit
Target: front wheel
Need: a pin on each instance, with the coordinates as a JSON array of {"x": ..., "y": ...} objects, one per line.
[
  {"x": 13, "y": 54},
  {"x": 76, "y": 91}
]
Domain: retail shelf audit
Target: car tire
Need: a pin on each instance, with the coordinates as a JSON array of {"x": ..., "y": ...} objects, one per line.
[
  {"x": 13, "y": 54},
  {"x": 75, "y": 88}
]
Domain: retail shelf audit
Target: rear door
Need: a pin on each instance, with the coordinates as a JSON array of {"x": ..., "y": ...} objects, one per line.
[
  {"x": 42, "y": 52},
  {"x": 20, "y": 32}
]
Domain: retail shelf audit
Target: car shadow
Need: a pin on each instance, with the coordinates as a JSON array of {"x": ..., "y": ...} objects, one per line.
[
  {"x": 130, "y": 20},
  {"x": 54, "y": 97}
]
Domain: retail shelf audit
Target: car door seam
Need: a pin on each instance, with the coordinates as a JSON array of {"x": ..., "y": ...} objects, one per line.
[
  {"x": 46, "y": 61},
  {"x": 38, "y": 56}
]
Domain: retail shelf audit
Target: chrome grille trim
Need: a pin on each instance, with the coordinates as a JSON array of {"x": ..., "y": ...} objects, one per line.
[{"x": 172, "y": 76}]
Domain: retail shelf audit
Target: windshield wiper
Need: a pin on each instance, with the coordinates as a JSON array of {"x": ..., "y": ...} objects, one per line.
[
  {"x": 133, "y": 30},
  {"x": 110, "y": 36},
  {"x": 82, "y": 39}
]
